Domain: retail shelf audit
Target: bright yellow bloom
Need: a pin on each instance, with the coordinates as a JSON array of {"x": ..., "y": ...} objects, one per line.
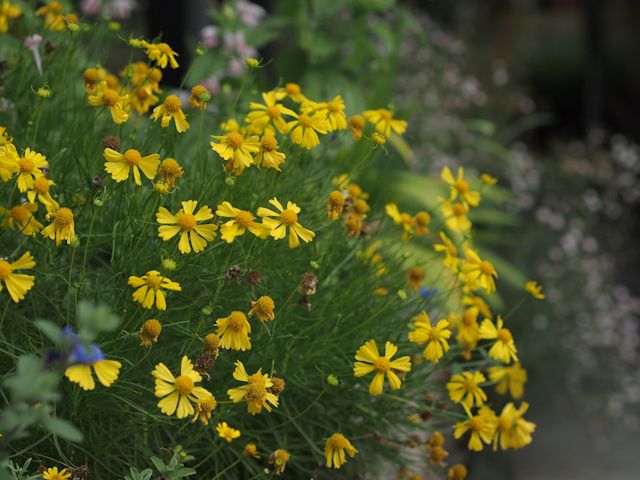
[
  {"x": 513, "y": 431},
  {"x": 241, "y": 221},
  {"x": 7, "y": 12},
  {"x": 256, "y": 391},
  {"x": 334, "y": 111},
  {"x": 535, "y": 289},
  {"x": 268, "y": 156},
  {"x": 503, "y": 348},
  {"x": 107, "y": 372},
  {"x": 335, "y": 448},
  {"x": 252, "y": 450},
  {"x": 488, "y": 179},
  {"x": 149, "y": 289},
  {"x": 482, "y": 427},
  {"x": 199, "y": 97},
  {"x": 234, "y": 331},
  {"x": 384, "y": 122},
  {"x": 469, "y": 330},
  {"x": 236, "y": 149},
  {"x": 435, "y": 337},
  {"x": 268, "y": 115},
  {"x": 186, "y": 220},
  {"x": 9, "y": 158},
  {"x": 111, "y": 99},
  {"x": 21, "y": 218},
  {"x": 171, "y": 108},
  {"x": 279, "y": 459},
  {"x": 479, "y": 303},
  {"x": 142, "y": 99},
  {"x": 450, "y": 251},
  {"x": 475, "y": 270},
  {"x": 161, "y": 53},
  {"x": 356, "y": 125},
  {"x": 54, "y": 19},
  {"x": 54, "y": 474},
  {"x": 335, "y": 204},
  {"x": 402, "y": 219},
  {"x": 511, "y": 378},
  {"x": 369, "y": 360},
  {"x": 204, "y": 408},
  {"x": 465, "y": 388},
  {"x": 278, "y": 222},
  {"x": 119, "y": 165},
  {"x": 421, "y": 221},
  {"x": 169, "y": 171},
  {"x": 30, "y": 167},
  {"x": 40, "y": 189},
  {"x": 178, "y": 394},
  {"x": 17, "y": 284},
  {"x": 291, "y": 90},
  {"x": 457, "y": 472},
  {"x": 455, "y": 216},
  {"x": 61, "y": 228},
  {"x": 305, "y": 128},
  {"x": 226, "y": 432},
  {"x": 460, "y": 187},
  {"x": 263, "y": 308}
]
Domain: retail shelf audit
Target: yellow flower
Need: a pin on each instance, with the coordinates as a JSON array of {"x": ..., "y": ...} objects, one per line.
[
  {"x": 482, "y": 427},
  {"x": 268, "y": 115},
  {"x": 150, "y": 331},
  {"x": 54, "y": 474},
  {"x": 503, "y": 348},
  {"x": 279, "y": 459},
  {"x": 305, "y": 128},
  {"x": 475, "y": 270},
  {"x": 278, "y": 222},
  {"x": 199, "y": 97},
  {"x": 255, "y": 392},
  {"x": 369, "y": 360},
  {"x": 17, "y": 284},
  {"x": 334, "y": 112},
  {"x": 204, "y": 407},
  {"x": 142, "y": 99},
  {"x": 186, "y": 220},
  {"x": 450, "y": 251},
  {"x": 421, "y": 221},
  {"x": 171, "y": 108},
  {"x": 211, "y": 344},
  {"x": 161, "y": 53},
  {"x": 54, "y": 19},
  {"x": 241, "y": 221},
  {"x": 169, "y": 171},
  {"x": 402, "y": 219},
  {"x": 119, "y": 165},
  {"x": 268, "y": 156},
  {"x": 149, "y": 289},
  {"x": 435, "y": 337},
  {"x": 111, "y": 99},
  {"x": 460, "y": 187},
  {"x": 252, "y": 450},
  {"x": 335, "y": 448},
  {"x": 226, "y": 432},
  {"x": 40, "y": 189},
  {"x": 30, "y": 166},
  {"x": 7, "y": 12},
  {"x": 479, "y": 303},
  {"x": 335, "y": 204},
  {"x": 356, "y": 125},
  {"x": 291, "y": 90},
  {"x": 415, "y": 276},
  {"x": 457, "y": 472},
  {"x": 488, "y": 179},
  {"x": 234, "y": 331},
  {"x": 263, "y": 308},
  {"x": 107, "y": 372},
  {"x": 21, "y": 218},
  {"x": 9, "y": 159},
  {"x": 455, "y": 216},
  {"x": 236, "y": 149},
  {"x": 61, "y": 228},
  {"x": 534, "y": 289},
  {"x": 465, "y": 388},
  {"x": 511, "y": 378},
  {"x": 469, "y": 330},
  {"x": 513, "y": 431},
  {"x": 178, "y": 394},
  {"x": 384, "y": 122}
]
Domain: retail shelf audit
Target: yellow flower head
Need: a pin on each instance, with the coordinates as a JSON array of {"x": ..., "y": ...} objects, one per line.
[
  {"x": 384, "y": 122},
  {"x": 356, "y": 125},
  {"x": 450, "y": 251},
  {"x": 482, "y": 427},
  {"x": 150, "y": 331},
  {"x": 292, "y": 91},
  {"x": 40, "y": 190},
  {"x": 8, "y": 11},
  {"x": 199, "y": 97},
  {"x": 204, "y": 407},
  {"x": 241, "y": 221},
  {"x": 335, "y": 204},
  {"x": 402, "y": 219},
  {"x": 109, "y": 98},
  {"x": 171, "y": 108},
  {"x": 17, "y": 284},
  {"x": 107, "y": 372},
  {"x": 62, "y": 226},
  {"x": 268, "y": 115},
  {"x": 226, "y": 432},
  {"x": 460, "y": 187},
  {"x": 279, "y": 459},
  {"x": 478, "y": 271},
  {"x": 186, "y": 222},
  {"x": 119, "y": 165},
  {"x": 334, "y": 113},
  {"x": 21, "y": 218},
  {"x": 268, "y": 156},
  {"x": 178, "y": 394},
  {"x": 9, "y": 158},
  {"x": 415, "y": 276},
  {"x": 421, "y": 221},
  {"x": 278, "y": 222},
  {"x": 252, "y": 450},
  {"x": 236, "y": 149},
  {"x": 335, "y": 448},
  {"x": 161, "y": 54},
  {"x": 535, "y": 289},
  {"x": 53, "y": 473},
  {"x": 455, "y": 216},
  {"x": 263, "y": 307},
  {"x": 512, "y": 430},
  {"x": 369, "y": 360},
  {"x": 149, "y": 289},
  {"x": 256, "y": 391},
  {"x": 503, "y": 348},
  {"x": 434, "y": 336},
  {"x": 169, "y": 171},
  {"x": 143, "y": 98},
  {"x": 465, "y": 388},
  {"x": 457, "y": 472},
  {"x": 305, "y": 128},
  {"x": 30, "y": 168},
  {"x": 509, "y": 378},
  {"x": 211, "y": 344},
  {"x": 468, "y": 329},
  {"x": 234, "y": 331},
  {"x": 54, "y": 19},
  {"x": 488, "y": 179}
]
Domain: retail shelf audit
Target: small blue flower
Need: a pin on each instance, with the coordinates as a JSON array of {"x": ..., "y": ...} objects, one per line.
[
  {"x": 78, "y": 352},
  {"x": 428, "y": 293}
]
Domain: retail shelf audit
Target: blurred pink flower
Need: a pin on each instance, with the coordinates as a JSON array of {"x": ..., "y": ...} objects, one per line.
[
  {"x": 236, "y": 67},
  {"x": 91, "y": 7},
  {"x": 120, "y": 9},
  {"x": 212, "y": 84},
  {"x": 210, "y": 36},
  {"x": 250, "y": 13},
  {"x": 32, "y": 42}
]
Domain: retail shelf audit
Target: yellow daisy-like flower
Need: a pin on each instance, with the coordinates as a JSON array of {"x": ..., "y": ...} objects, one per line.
[
  {"x": 535, "y": 289},
  {"x": 252, "y": 450},
  {"x": 512, "y": 430},
  {"x": 40, "y": 190},
  {"x": 292, "y": 91},
  {"x": 236, "y": 149},
  {"x": 150, "y": 331},
  {"x": 8, "y": 11},
  {"x": 457, "y": 472},
  {"x": 256, "y": 391},
  {"x": 234, "y": 331},
  {"x": 333, "y": 111},
  {"x": 268, "y": 156},
  {"x": 161, "y": 53},
  {"x": 186, "y": 220},
  {"x": 482, "y": 427},
  {"x": 9, "y": 159},
  {"x": 171, "y": 108},
  {"x": 475, "y": 270},
  {"x": 62, "y": 226},
  {"x": 469, "y": 330},
  {"x": 169, "y": 171},
  {"x": 226, "y": 432},
  {"x": 17, "y": 284},
  {"x": 241, "y": 221},
  {"x": 263, "y": 307},
  {"x": 305, "y": 128},
  {"x": 503, "y": 348},
  {"x": 455, "y": 216},
  {"x": 421, "y": 221},
  {"x": 30, "y": 167},
  {"x": 149, "y": 289},
  {"x": 465, "y": 388},
  {"x": 460, "y": 187},
  {"x": 435, "y": 337},
  {"x": 143, "y": 98},
  {"x": 119, "y": 165},
  {"x": 109, "y": 98},
  {"x": 369, "y": 360},
  {"x": 279, "y": 459},
  {"x": 451, "y": 259},
  {"x": 509, "y": 378},
  {"x": 278, "y": 223},
  {"x": 335, "y": 448},
  {"x": 178, "y": 394},
  {"x": 199, "y": 97},
  {"x": 107, "y": 372},
  {"x": 204, "y": 408},
  {"x": 54, "y": 19},
  {"x": 21, "y": 218},
  {"x": 268, "y": 115},
  {"x": 335, "y": 204},
  {"x": 382, "y": 119},
  {"x": 402, "y": 219},
  {"x": 356, "y": 125},
  {"x": 53, "y": 473},
  {"x": 488, "y": 179}
]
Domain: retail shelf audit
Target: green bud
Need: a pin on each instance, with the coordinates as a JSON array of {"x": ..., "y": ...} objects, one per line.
[
  {"x": 98, "y": 202},
  {"x": 169, "y": 264},
  {"x": 204, "y": 97},
  {"x": 333, "y": 380},
  {"x": 315, "y": 265},
  {"x": 75, "y": 243},
  {"x": 402, "y": 294},
  {"x": 73, "y": 27},
  {"x": 230, "y": 181},
  {"x": 207, "y": 310},
  {"x": 200, "y": 51}
]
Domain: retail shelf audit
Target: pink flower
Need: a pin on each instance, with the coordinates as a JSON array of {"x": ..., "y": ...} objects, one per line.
[
  {"x": 250, "y": 13},
  {"x": 236, "y": 67},
  {"x": 32, "y": 42},
  {"x": 212, "y": 84},
  {"x": 91, "y": 7},
  {"x": 210, "y": 36},
  {"x": 120, "y": 9}
]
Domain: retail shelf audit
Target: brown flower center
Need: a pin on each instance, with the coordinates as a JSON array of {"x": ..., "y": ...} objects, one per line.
[
  {"x": 172, "y": 104},
  {"x": 273, "y": 112},
  {"x": 20, "y": 214},
  {"x": 63, "y": 217},
  {"x": 41, "y": 185},
  {"x": 110, "y": 98},
  {"x": 269, "y": 143},
  {"x": 237, "y": 321},
  {"x": 476, "y": 424},
  {"x": 462, "y": 186}
]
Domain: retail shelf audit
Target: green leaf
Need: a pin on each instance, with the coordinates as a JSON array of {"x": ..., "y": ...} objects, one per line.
[{"x": 62, "y": 428}]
